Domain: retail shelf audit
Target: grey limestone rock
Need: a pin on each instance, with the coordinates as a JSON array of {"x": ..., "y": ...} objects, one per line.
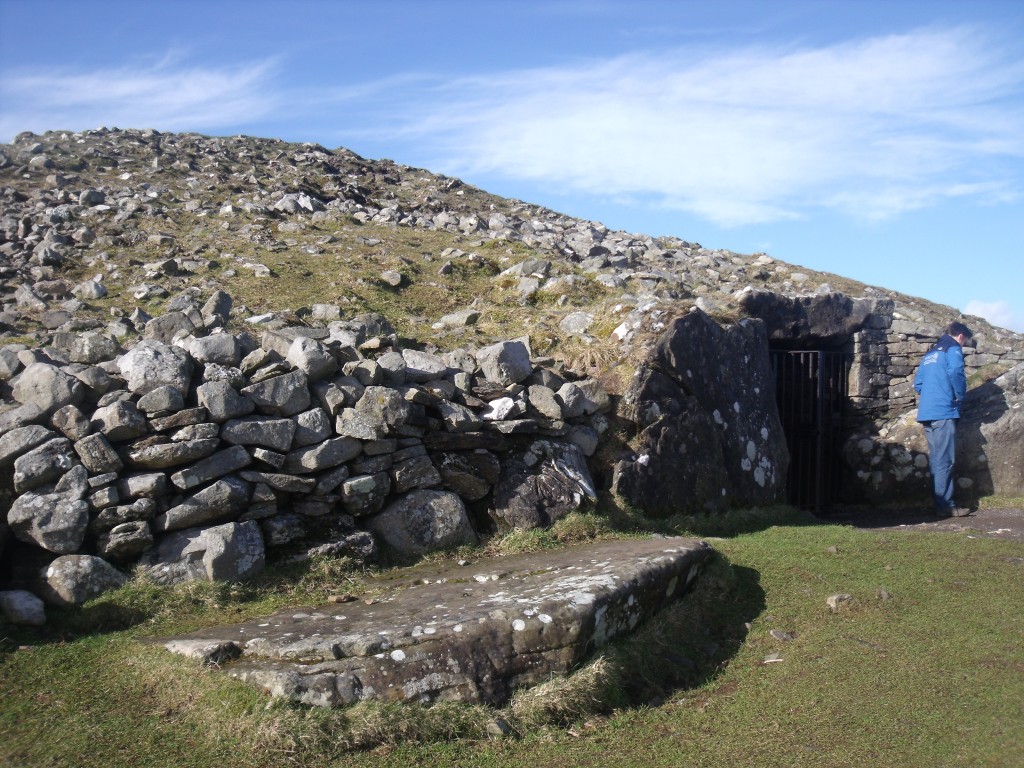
[
  {"x": 220, "y": 348},
  {"x": 365, "y": 494},
  {"x": 414, "y": 472},
  {"x": 711, "y": 434},
  {"x": 151, "y": 364},
  {"x": 98, "y": 455},
  {"x": 312, "y": 426},
  {"x": 572, "y": 399},
  {"x": 388, "y": 370},
  {"x": 182, "y": 418},
  {"x": 228, "y": 552},
  {"x": 458, "y": 418},
  {"x": 223, "y": 500},
  {"x": 281, "y": 482},
  {"x": 21, "y": 440},
  {"x": 90, "y": 347},
  {"x": 543, "y": 401},
  {"x": 47, "y": 387},
  {"x": 218, "y": 304},
  {"x": 522, "y": 620},
  {"x": 9, "y": 363},
  {"x": 164, "y": 455},
  {"x": 120, "y": 421},
  {"x": 542, "y": 484},
  {"x": 161, "y": 400},
  {"x": 125, "y": 542},
  {"x": 421, "y": 522},
  {"x": 469, "y": 474},
  {"x": 284, "y": 395},
  {"x": 268, "y": 431},
  {"x": 20, "y": 416},
  {"x": 312, "y": 358},
  {"x": 507, "y": 362},
  {"x": 384, "y": 408},
  {"x": 54, "y": 521},
  {"x": 223, "y": 402},
  {"x": 111, "y": 517},
  {"x": 283, "y": 529},
  {"x": 71, "y": 580},
  {"x": 211, "y": 467},
  {"x": 142, "y": 484},
  {"x": 165, "y": 327},
  {"x": 315, "y": 458},
  {"x": 71, "y": 422},
  {"x": 19, "y": 606},
  {"x": 44, "y": 464},
  {"x": 423, "y": 366}
]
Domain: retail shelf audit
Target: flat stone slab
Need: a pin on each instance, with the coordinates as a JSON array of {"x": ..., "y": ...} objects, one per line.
[{"x": 469, "y": 633}]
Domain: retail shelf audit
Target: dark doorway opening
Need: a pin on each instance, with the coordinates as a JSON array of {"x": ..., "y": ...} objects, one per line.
[{"x": 811, "y": 390}]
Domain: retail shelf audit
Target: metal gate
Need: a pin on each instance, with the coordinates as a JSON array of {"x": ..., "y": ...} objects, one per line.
[{"x": 811, "y": 389}]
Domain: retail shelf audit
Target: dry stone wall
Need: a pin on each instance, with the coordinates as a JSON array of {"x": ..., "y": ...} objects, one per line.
[{"x": 198, "y": 453}]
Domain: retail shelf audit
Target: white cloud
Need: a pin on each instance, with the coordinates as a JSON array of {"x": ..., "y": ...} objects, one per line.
[
  {"x": 999, "y": 313},
  {"x": 872, "y": 128},
  {"x": 161, "y": 95}
]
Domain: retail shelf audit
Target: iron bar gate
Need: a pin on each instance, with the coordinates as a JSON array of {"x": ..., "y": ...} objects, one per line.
[{"x": 811, "y": 390}]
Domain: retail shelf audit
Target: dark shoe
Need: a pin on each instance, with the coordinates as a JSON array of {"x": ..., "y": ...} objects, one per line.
[{"x": 953, "y": 512}]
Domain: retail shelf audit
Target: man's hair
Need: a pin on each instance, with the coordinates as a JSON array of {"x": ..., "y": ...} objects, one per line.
[{"x": 955, "y": 329}]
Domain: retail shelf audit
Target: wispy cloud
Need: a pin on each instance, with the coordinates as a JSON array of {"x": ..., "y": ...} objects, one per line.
[
  {"x": 165, "y": 94},
  {"x": 872, "y": 128},
  {"x": 999, "y": 313}
]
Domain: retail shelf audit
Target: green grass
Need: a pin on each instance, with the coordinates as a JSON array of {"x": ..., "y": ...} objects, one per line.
[{"x": 931, "y": 676}]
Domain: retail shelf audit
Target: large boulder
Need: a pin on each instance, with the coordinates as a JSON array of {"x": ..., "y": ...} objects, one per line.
[
  {"x": 20, "y": 606},
  {"x": 45, "y": 464},
  {"x": 542, "y": 484},
  {"x": 710, "y": 434},
  {"x": 57, "y": 522},
  {"x": 151, "y": 364},
  {"x": 72, "y": 579},
  {"x": 218, "y": 348},
  {"x": 21, "y": 440},
  {"x": 421, "y": 522},
  {"x": 507, "y": 362},
  {"x": 229, "y": 552},
  {"x": 312, "y": 358},
  {"x": 222, "y": 401},
  {"x": 47, "y": 387},
  {"x": 284, "y": 395}
]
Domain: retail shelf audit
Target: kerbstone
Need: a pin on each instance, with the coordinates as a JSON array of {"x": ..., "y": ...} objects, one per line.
[{"x": 503, "y": 624}]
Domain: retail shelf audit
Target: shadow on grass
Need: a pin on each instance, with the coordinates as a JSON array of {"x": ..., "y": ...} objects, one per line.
[
  {"x": 689, "y": 644},
  {"x": 724, "y": 524},
  {"x": 682, "y": 648}
]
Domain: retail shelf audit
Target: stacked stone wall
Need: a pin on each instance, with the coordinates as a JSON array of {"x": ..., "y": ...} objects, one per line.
[
  {"x": 198, "y": 452},
  {"x": 886, "y": 455}
]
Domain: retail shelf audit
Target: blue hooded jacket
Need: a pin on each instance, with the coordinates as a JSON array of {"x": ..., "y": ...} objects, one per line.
[{"x": 940, "y": 381}]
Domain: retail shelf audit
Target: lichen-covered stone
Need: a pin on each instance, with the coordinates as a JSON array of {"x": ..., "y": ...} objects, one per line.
[{"x": 71, "y": 580}]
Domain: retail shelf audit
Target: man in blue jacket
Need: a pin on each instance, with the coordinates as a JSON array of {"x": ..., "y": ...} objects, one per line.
[{"x": 941, "y": 385}]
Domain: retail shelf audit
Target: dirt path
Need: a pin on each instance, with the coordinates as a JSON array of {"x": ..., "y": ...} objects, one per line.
[{"x": 991, "y": 523}]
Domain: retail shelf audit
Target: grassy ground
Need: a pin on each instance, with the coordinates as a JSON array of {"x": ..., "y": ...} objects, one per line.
[{"x": 923, "y": 667}]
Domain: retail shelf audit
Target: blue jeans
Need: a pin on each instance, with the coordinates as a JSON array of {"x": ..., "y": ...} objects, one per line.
[{"x": 941, "y": 435}]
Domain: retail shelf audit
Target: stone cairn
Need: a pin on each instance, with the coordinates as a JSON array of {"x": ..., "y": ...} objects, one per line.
[{"x": 198, "y": 452}]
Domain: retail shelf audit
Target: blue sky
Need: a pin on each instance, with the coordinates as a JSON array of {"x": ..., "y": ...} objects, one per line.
[{"x": 883, "y": 141}]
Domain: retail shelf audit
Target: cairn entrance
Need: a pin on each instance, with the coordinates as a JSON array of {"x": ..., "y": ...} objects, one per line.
[{"x": 812, "y": 393}]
